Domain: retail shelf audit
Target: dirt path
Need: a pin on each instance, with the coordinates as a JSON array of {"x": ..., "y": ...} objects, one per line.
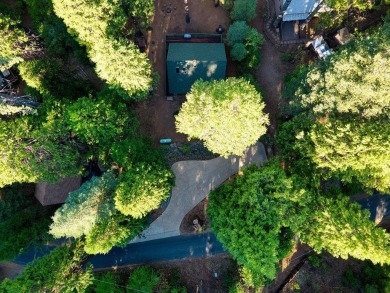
[
  {"x": 271, "y": 71},
  {"x": 289, "y": 266}
]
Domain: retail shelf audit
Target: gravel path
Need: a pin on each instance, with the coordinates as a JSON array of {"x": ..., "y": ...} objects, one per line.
[{"x": 194, "y": 181}]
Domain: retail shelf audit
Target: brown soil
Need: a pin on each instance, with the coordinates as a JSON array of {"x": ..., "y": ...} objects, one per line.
[
  {"x": 325, "y": 278},
  {"x": 198, "y": 212},
  {"x": 287, "y": 267},
  {"x": 272, "y": 70},
  {"x": 198, "y": 274},
  {"x": 156, "y": 114}
]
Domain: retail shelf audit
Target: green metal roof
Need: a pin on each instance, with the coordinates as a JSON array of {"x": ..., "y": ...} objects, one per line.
[{"x": 188, "y": 62}]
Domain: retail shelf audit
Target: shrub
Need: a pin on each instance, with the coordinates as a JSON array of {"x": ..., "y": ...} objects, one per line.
[
  {"x": 287, "y": 57},
  {"x": 244, "y": 10},
  {"x": 143, "y": 279},
  {"x": 106, "y": 283},
  {"x": 238, "y": 52},
  {"x": 142, "y": 188},
  {"x": 237, "y": 33}
]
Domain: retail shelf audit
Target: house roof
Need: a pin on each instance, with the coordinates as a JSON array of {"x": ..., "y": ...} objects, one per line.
[
  {"x": 188, "y": 62},
  {"x": 300, "y": 9},
  {"x": 49, "y": 194},
  {"x": 196, "y": 51}
]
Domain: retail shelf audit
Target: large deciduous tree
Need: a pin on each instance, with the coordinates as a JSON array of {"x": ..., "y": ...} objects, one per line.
[
  {"x": 32, "y": 150},
  {"x": 344, "y": 230},
  {"x": 250, "y": 217},
  {"x": 142, "y": 188},
  {"x": 354, "y": 80},
  {"x": 227, "y": 115},
  {"x": 354, "y": 149},
  {"x": 347, "y": 99}
]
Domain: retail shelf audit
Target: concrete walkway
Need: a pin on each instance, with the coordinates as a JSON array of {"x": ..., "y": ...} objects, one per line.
[{"x": 194, "y": 181}]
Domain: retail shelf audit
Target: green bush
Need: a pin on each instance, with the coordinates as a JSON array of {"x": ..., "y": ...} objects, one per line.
[
  {"x": 238, "y": 52},
  {"x": 237, "y": 33},
  {"x": 245, "y": 42},
  {"x": 185, "y": 148},
  {"x": 106, "y": 283},
  {"x": 315, "y": 261},
  {"x": 244, "y": 10},
  {"x": 287, "y": 57},
  {"x": 350, "y": 280},
  {"x": 143, "y": 279}
]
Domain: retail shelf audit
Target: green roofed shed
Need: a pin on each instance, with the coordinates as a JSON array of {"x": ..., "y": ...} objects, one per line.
[{"x": 188, "y": 62}]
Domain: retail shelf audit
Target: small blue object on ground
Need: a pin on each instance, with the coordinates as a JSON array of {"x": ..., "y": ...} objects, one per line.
[
  {"x": 165, "y": 140},
  {"x": 187, "y": 36}
]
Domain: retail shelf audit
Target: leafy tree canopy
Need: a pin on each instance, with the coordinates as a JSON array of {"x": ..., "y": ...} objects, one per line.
[
  {"x": 344, "y": 230},
  {"x": 354, "y": 149},
  {"x": 52, "y": 77},
  {"x": 52, "y": 30},
  {"x": 250, "y": 214},
  {"x": 107, "y": 282},
  {"x": 91, "y": 21},
  {"x": 354, "y": 80},
  {"x": 234, "y": 99},
  {"x": 99, "y": 121},
  {"x": 30, "y": 152},
  {"x": 116, "y": 230},
  {"x": 142, "y": 188},
  {"x": 123, "y": 66},
  {"x": 13, "y": 41},
  {"x": 343, "y": 131},
  {"x": 237, "y": 32},
  {"x": 346, "y": 4}
]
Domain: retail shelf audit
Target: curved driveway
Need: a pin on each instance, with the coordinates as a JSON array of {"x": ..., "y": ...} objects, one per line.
[{"x": 194, "y": 181}]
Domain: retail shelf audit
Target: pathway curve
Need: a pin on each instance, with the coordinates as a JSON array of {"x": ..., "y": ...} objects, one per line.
[{"x": 194, "y": 181}]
